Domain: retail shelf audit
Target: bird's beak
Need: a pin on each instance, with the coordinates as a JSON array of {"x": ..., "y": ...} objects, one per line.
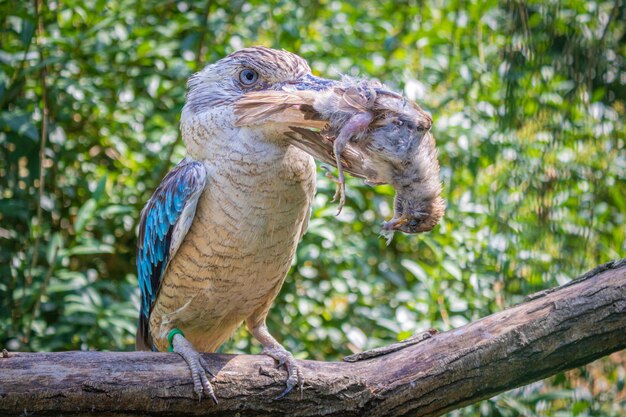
[{"x": 283, "y": 105}]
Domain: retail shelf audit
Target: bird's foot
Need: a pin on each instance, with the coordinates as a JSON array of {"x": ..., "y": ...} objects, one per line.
[
  {"x": 286, "y": 359},
  {"x": 340, "y": 191},
  {"x": 197, "y": 365}
]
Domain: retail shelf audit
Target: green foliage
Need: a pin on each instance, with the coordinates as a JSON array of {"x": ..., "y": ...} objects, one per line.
[{"x": 528, "y": 100}]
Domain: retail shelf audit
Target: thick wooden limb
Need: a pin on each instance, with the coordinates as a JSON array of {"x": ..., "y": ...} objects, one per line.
[{"x": 550, "y": 332}]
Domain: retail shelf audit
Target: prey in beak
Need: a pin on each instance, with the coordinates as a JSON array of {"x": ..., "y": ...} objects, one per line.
[{"x": 363, "y": 128}]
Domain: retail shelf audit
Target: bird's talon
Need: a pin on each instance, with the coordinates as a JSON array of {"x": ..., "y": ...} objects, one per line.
[
  {"x": 206, "y": 385},
  {"x": 205, "y": 366},
  {"x": 197, "y": 365},
  {"x": 290, "y": 385},
  {"x": 209, "y": 389},
  {"x": 286, "y": 359},
  {"x": 282, "y": 395}
]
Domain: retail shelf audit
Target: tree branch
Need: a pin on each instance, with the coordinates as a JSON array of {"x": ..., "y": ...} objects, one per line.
[{"x": 552, "y": 331}]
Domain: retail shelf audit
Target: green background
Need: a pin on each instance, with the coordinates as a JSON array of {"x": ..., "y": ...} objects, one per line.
[{"x": 528, "y": 101}]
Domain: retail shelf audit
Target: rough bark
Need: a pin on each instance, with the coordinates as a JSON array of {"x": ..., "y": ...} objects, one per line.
[{"x": 552, "y": 331}]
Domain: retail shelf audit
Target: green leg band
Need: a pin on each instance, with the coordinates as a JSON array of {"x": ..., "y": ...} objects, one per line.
[{"x": 170, "y": 337}]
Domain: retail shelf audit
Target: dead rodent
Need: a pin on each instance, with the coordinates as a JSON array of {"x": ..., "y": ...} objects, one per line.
[{"x": 369, "y": 131}]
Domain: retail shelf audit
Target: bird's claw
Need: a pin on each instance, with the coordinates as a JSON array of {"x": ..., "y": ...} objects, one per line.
[
  {"x": 197, "y": 365},
  {"x": 280, "y": 363},
  {"x": 205, "y": 366},
  {"x": 286, "y": 359}
]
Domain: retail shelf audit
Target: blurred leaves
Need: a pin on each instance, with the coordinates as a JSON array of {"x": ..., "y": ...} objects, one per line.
[{"x": 528, "y": 99}]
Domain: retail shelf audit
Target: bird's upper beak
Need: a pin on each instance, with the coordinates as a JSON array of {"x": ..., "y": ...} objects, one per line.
[{"x": 283, "y": 104}]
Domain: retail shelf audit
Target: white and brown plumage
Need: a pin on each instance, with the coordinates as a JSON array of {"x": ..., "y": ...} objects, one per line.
[{"x": 219, "y": 234}]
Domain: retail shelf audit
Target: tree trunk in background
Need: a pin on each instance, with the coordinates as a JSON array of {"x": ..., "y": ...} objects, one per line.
[{"x": 552, "y": 331}]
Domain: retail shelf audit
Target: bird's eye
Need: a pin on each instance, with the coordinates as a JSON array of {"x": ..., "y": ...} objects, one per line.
[
  {"x": 248, "y": 76},
  {"x": 413, "y": 223}
]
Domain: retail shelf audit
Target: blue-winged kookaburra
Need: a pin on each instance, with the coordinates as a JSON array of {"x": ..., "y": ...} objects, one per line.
[{"x": 220, "y": 232}]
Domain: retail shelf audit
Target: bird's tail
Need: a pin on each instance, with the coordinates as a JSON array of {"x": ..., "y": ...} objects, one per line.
[{"x": 143, "y": 340}]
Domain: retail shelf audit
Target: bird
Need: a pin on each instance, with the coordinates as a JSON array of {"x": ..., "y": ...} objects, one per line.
[{"x": 218, "y": 236}]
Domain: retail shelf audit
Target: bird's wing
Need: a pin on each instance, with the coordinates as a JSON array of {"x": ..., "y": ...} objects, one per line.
[{"x": 165, "y": 220}]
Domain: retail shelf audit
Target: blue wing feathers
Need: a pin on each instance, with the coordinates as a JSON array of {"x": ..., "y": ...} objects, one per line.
[{"x": 180, "y": 188}]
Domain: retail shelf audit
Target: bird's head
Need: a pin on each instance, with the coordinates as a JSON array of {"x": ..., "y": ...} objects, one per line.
[
  {"x": 213, "y": 92},
  {"x": 251, "y": 69}
]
